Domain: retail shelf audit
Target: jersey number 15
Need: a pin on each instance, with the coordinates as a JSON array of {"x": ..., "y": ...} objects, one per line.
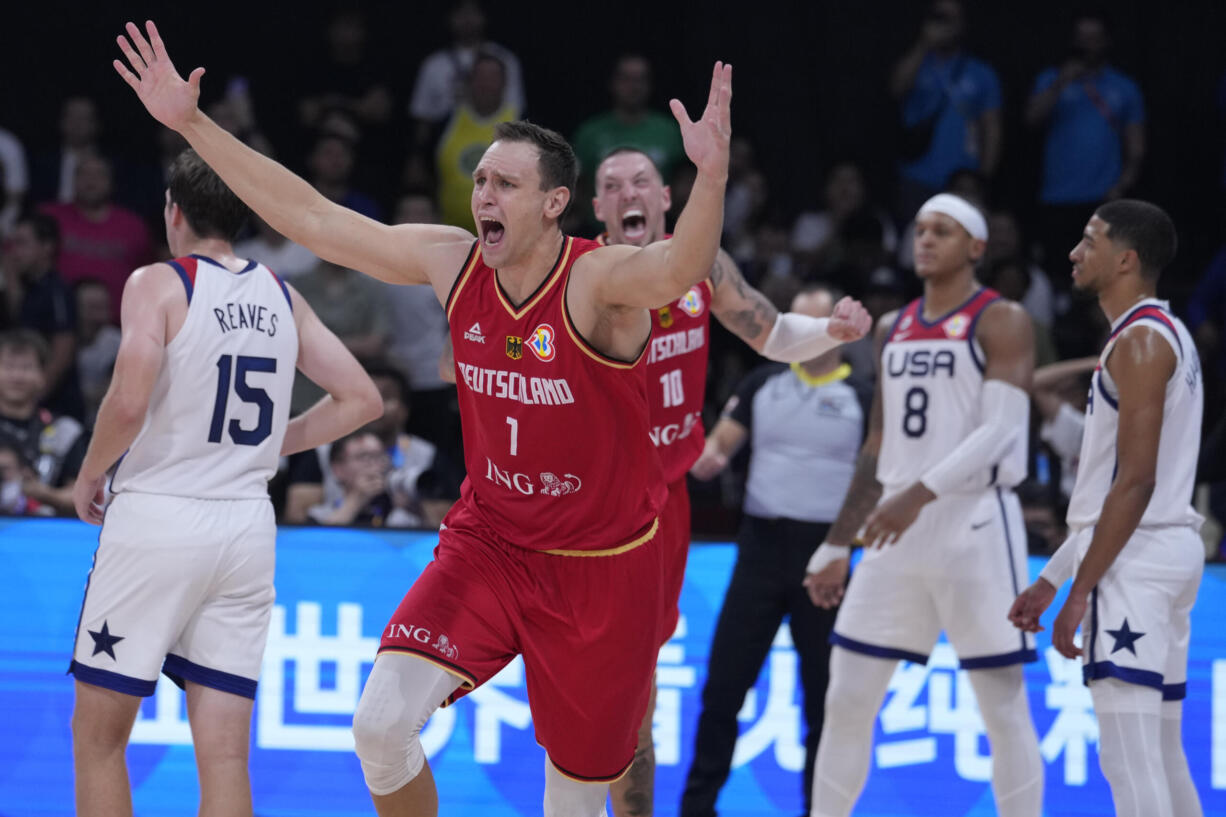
[{"x": 247, "y": 394}]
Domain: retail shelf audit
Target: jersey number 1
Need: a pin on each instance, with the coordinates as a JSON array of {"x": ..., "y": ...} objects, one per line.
[{"x": 246, "y": 393}]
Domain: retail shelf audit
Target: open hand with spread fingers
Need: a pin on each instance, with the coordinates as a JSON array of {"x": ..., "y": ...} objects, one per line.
[
  {"x": 849, "y": 321},
  {"x": 706, "y": 140},
  {"x": 167, "y": 96}
]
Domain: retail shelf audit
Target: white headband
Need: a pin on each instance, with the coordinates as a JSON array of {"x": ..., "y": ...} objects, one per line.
[{"x": 960, "y": 210}]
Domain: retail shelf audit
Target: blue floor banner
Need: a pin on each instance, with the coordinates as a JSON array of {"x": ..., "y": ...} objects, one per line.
[{"x": 336, "y": 588}]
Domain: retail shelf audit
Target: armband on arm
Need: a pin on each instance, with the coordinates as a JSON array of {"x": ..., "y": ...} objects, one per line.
[
  {"x": 1005, "y": 412},
  {"x": 795, "y": 338},
  {"x": 1059, "y": 567}
]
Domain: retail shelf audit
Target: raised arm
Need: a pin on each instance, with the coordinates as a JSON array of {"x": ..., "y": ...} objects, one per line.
[
  {"x": 404, "y": 254},
  {"x": 788, "y": 337},
  {"x": 661, "y": 272},
  {"x": 826, "y": 573},
  {"x": 1140, "y": 364}
]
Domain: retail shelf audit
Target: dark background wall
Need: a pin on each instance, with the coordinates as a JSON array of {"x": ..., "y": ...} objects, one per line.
[{"x": 810, "y": 82}]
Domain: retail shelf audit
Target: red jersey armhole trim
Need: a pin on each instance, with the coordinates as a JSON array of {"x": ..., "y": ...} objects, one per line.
[
  {"x": 590, "y": 350},
  {"x": 470, "y": 263}
]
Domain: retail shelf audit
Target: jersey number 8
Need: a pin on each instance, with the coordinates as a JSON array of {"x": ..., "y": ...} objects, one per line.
[{"x": 915, "y": 420}]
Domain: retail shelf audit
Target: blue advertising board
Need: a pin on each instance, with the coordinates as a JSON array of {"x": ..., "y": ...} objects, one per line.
[{"x": 336, "y": 589}]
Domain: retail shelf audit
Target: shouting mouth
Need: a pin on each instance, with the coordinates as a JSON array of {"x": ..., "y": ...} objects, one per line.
[
  {"x": 634, "y": 225},
  {"x": 492, "y": 231}
]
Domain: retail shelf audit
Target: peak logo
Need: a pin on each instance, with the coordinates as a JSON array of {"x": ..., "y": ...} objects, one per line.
[{"x": 474, "y": 334}]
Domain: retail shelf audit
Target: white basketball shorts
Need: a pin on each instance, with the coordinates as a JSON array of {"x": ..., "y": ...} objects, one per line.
[
  {"x": 958, "y": 568},
  {"x": 181, "y": 586},
  {"x": 1137, "y": 625}
]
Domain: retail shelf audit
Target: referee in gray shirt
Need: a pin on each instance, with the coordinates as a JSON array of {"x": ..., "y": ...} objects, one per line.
[{"x": 804, "y": 423}]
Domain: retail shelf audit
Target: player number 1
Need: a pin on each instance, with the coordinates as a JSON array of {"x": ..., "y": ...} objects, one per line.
[
  {"x": 674, "y": 392},
  {"x": 514, "y": 424}
]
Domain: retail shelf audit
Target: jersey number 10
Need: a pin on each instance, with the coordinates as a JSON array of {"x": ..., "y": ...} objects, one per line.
[{"x": 247, "y": 394}]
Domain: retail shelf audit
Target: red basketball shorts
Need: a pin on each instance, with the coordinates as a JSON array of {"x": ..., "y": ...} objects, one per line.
[
  {"x": 586, "y": 626},
  {"x": 674, "y": 537}
]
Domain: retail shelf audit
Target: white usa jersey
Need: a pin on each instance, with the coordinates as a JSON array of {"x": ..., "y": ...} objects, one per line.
[
  {"x": 220, "y": 405},
  {"x": 1179, "y": 440},
  {"x": 931, "y": 396}
]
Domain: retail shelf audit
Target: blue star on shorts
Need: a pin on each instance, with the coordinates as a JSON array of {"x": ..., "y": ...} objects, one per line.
[
  {"x": 1124, "y": 638},
  {"x": 104, "y": 641}
]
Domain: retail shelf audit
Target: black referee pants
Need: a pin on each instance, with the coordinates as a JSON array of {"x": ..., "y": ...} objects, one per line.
[{"x": 765, "y": 588}]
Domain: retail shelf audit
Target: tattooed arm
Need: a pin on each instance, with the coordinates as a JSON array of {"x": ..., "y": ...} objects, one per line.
[
  {"x": 789, "y": 336},
  {"x": 740, "y": 307},
  {"x": 864, "y": 491},
  {"x": 826, "y": 576}
]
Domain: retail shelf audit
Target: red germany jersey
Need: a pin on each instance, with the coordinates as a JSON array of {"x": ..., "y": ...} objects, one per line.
[
  {"x": 677, "y": 377},
  {"x": 555, "y": 433}
]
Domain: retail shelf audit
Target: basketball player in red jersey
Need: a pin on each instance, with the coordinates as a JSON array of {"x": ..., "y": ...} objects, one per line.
[
  {"x": 631, "y": 200},
  {"x": 550, "y": 336}
]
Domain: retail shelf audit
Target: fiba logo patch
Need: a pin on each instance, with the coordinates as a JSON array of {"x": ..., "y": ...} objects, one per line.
[
  {"x": 515, "y": 347},
  {"x": 692, "y": 302},
  {"x": 542, "y": 343},
  {"x": 956, "y": 326}
]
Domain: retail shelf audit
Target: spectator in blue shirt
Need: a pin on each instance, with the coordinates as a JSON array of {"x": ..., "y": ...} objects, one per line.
[
  {"x": 1095, "y": 124},
  {"x": 950, "y": 109}
]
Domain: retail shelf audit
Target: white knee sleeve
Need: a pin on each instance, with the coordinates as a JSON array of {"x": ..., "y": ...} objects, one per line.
[
  {"x": 858, "y": 684},
  {"x": 1017, "y": 768},
  {"x": 1184, "y": 800},
  {"x": 400, "y": 695},
  {"x": 1129, "y": 747},
  {"x": 565, "y": 797}
]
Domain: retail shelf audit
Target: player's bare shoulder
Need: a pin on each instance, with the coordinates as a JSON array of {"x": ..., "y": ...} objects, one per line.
[
  {"x": 881, "y": 332},
  {"x": 153, "y": 285},
  {"x": 1005, "y": 322},
  {"x": 432, "y": 252}
]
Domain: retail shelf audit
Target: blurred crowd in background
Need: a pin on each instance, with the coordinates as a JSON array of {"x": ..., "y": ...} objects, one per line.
[{"x": 81, "y": 210}]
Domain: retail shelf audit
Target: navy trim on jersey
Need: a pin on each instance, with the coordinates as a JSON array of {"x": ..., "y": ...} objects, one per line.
[
  {"x": 76, "y": 636},
  {"x": 250, "y": 263},
  {"x": 112, "y": 680},
  {"x": 1163, "y": 320},
  {"x": 1093, "y": 623},
  {"x": 1174, "y": 692},
  {"x": 876, "y": 651},
  {"x": 179, "y": 669},
  {"x": 1129, "y": 675},
  {"x": 110, "y": 484},
  {"x": 1111, "y": 401},
  {"x": 284, "y": 289},
  {"x": 1004, "y": 518},
  {"x": 1025, "y": 655},
  {"x": 970, "y": 333},
  {"x": 919, "y": 312},
  {"x": 187, "y": 282}
]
